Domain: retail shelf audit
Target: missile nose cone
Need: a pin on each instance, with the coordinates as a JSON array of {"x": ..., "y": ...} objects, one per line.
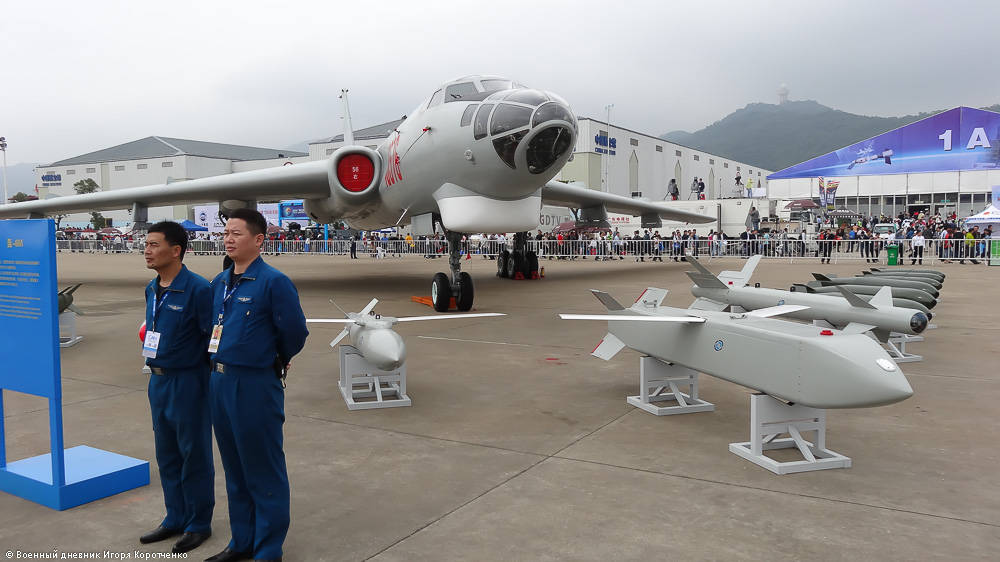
[
  {"x": 889, "y": 384},
  {"x": 918, "y": 322},
  {"x": 384, "y": 349}
]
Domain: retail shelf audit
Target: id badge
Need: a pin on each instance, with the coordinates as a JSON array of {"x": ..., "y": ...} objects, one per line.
[
  {"x": 213, "y": 344},
  {"x": 151, "y": 344}
]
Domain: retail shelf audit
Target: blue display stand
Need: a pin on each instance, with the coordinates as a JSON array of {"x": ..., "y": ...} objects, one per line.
[{"x": 29, "y": 345}]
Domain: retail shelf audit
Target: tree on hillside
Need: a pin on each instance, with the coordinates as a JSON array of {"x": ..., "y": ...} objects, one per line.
[{"x": 88, "y": 185}]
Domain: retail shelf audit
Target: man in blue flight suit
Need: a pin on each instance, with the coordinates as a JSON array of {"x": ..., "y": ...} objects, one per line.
[
  {"x": 178, "y": 324},
  {"x": 258, "y": 328}
]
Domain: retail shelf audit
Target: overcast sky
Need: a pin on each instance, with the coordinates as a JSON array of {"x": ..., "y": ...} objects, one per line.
[{"x": 81, "y": 76}]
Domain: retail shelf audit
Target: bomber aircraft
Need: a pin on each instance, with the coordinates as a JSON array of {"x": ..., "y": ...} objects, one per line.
[{"x": 478, "y": 156}]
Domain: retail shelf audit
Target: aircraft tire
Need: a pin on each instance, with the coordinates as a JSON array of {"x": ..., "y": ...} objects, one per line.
[
  {"x": 514, "y": 264},
  {"x": 502, "y": 258},
  {"x": 465, "y": 292},
  {"x": 532, "y": 264},
  {"x": 441, "y": 292}
]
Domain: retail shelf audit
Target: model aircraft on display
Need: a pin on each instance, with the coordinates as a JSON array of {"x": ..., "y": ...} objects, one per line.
[
  {"x": 879, "y": 282},
  {"x": 866, "y": 155},
  {"x": 478, "y": 156},
  {"x": 878, "y": 314},
  {"x": 374, "y": 337},
  {"x": 793, "y": 362}
]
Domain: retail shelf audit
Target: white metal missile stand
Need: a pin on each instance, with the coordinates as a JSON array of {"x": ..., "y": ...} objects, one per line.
[
  {"x": 770, "y": 418},
  {"x": 898, "y": 353},
  {"x": 388, "y": 388},
  {"x": 67, "y": 329},
  {"x": 656, "y": 378}
]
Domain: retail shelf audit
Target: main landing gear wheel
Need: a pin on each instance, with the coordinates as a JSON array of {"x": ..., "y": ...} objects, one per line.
[
  {"x": 441, "y": 292},
  {"x": 502, "y": 258},
  {"x": 465, "y": 292},
  {"x": 515, "y": 263},
  {"x": 532, "y": 265}
]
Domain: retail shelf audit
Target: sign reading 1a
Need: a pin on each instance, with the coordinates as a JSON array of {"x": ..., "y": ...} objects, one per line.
[{"x": 977, "y": 138}]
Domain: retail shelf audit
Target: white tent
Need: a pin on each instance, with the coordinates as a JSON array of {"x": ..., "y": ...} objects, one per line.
[{"x": 990, "y": 216}]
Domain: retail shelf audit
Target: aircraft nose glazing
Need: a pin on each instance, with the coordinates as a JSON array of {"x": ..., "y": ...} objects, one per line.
[{"x": 543, "y": 119}]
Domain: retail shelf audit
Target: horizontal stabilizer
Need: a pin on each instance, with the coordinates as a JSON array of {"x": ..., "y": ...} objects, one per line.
[
  {"x": 883, "y": 298},
  {"x": 652, "y": 297},
  {"x": 607, "y": 300},
  {"x": 776, "y": 310},
  {"x": 616, "y": 318},
  {"x": 608, "y": 348},
  {"x": 701, "y": 303},
  {"x": 450, "y": 316},
  {"x": 852, "y": 298},
  {"x": 857, "y": 328},
  {"x": 706, "y": 281}
]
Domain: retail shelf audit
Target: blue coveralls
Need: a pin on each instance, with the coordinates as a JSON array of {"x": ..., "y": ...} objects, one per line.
[
  {"x": 262, "y": 321},
  {"x": 178, "y": 400}
]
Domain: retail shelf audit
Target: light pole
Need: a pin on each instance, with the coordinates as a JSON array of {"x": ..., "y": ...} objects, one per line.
[
  {"x": 3, "y": 147},
  {"x": 607, "y": 151}
]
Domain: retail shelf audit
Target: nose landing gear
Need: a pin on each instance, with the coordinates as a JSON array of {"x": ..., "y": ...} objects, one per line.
[{"x": 459, "y": 286}]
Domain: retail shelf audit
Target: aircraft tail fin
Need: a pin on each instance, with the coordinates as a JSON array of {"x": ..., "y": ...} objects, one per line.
[
  {"x": 652, "y": 297},
  {"x": 802, "y": 287},
  {"x": 742, "y": 277},
  {"x": 607, "y": 300},
  {"x": 608, "y": 348},
  {"x": 852, "y": 298},
  {"x": 708, "y": 281},
  {"x": 882, "y": 298}
]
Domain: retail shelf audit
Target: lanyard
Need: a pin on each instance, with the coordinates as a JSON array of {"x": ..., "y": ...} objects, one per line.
[
  {"x": 226, "y": 294},
  {"x": 158, "y": 303}
]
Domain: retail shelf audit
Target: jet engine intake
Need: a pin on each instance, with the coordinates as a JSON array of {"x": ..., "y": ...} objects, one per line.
[{"x": 355, "y": 173}]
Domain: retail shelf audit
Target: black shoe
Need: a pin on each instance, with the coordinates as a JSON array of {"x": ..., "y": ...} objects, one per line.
[
  {"x": 190, "y": 541},
  {"x": 158, "y": 534},
  {"x": 229, "y": 555}
]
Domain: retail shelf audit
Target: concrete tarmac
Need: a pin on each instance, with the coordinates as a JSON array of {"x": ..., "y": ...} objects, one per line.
[{"x": 519, "y": 444}]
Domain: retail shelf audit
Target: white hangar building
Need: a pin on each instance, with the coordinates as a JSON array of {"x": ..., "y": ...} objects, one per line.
[{"x": 944, "y": 163}]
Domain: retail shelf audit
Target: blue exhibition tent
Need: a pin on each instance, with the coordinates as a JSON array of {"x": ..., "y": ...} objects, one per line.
[{"x": 190, "y": 226}]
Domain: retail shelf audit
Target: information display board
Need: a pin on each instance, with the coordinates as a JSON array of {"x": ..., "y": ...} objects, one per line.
[{"x": 29, "y": 346}]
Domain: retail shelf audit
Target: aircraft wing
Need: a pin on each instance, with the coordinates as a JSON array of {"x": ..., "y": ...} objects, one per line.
[
  {"x": 305, "y": 180},
  {"x": 565, "y": 195}
]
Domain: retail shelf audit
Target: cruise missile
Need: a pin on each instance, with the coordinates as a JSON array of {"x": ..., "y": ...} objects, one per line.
[
  {"x": 373, "y": 336},
  {"x": 928, "y": 278},
  {"x": 934, "y": 271},
  {"x": 922, "y": 297},
  {"x": 897, "y": 302},
  {"x": 878, "y": 282},
  {"x": 65, "y": 298},
  {"x": 878, "y": 313},
  {"x": 793, "y": 362}
]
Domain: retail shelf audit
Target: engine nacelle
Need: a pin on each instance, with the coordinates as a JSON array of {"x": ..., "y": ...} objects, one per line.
[{"x": 354, "y": 173}]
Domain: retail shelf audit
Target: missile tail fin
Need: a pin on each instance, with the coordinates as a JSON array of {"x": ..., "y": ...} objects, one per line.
[
  {"x": 652, "y": 297},
  {"x": 852, "y": 298},
  {"x": 607, "y": 300},
  {"x": 608, "y": 348},
  {"x": 798, "y": 287},
  {"x": 742, "y": 277},
  {"x": 708, "y": 281},
  {"x": 697, "y": 265},
  {"x": 882, "y": 298},
  {"x": 820, "y": 277},
  {"x": 857, "y": 328}
]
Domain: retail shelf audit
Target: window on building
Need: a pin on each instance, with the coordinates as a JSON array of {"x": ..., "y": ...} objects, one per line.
[
  {"x": 141, "y": 166},
  {"x": 119, "y": 168},
  {"x": 711, "y": 161},
  {"x": 602, "y": 133},
  {"x": 91, "y": 170},
  {"x": 737, "y": 168},
  {"x": 70, "y": 172},
  {"x": 633, "y": 142},
  {"x": 636, "y": 194},
  {"x": 749, "y": 172},
  {"x": 697, "y": 158},
  {"x": 329, "y": 151},
  {"x": 758, "y": 173},
  {"x": 677, "y": 153},
  {"x": 659, "y": 148},
  {"x": 167, "y": 164},
  {"x": 725, "y": 164}
]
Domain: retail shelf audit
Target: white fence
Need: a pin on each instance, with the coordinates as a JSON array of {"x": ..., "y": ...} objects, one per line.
[{"x": 810, "y": 249}]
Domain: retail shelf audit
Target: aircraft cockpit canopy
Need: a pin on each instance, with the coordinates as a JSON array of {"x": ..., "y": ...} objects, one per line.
[{"x": 472, "y": 88}]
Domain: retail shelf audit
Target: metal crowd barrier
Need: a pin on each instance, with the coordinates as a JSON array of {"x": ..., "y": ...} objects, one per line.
[{"x": 935, "y": 251}]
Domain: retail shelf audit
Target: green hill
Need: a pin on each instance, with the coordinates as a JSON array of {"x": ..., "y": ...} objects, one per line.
[{"x": 775, "y": 137}]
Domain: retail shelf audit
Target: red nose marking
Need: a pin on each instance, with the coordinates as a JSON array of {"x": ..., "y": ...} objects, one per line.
[
  {"x": 730, "y": 282},
  {"x": 826, "y": 333}
]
